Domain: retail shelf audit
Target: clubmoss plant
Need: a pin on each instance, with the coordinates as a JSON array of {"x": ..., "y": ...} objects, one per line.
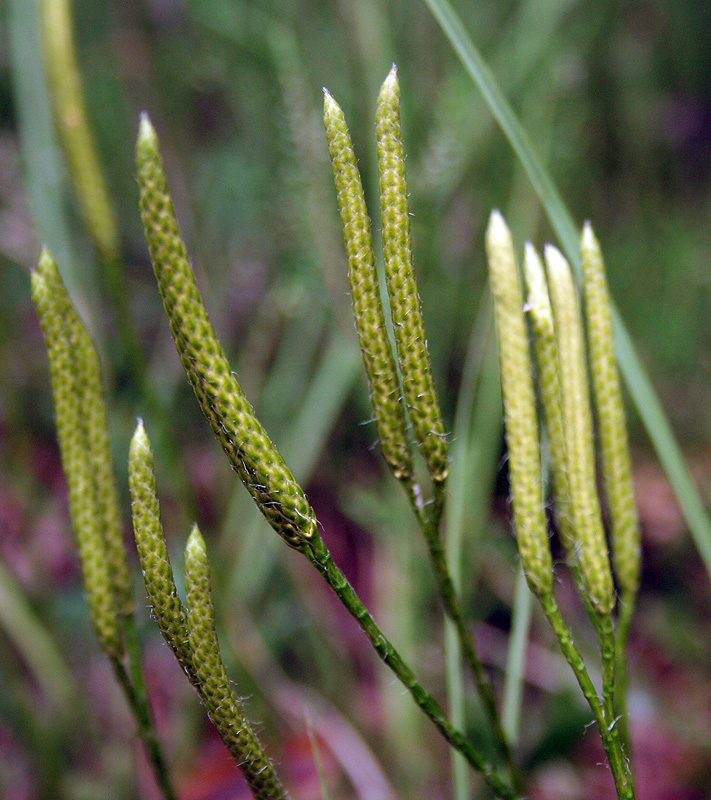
[
  {"x": 408, "y": 325},
  {"x": 385, "y": 390},
  {"x": 86, "y": 458},
  {"x": 251, "y": 452},
  {"x": 418, "y": 392},
  {"x": 562, "y": 372},
  {"x": 408, "y": 418},
  {"x": 190, "y": 630},
  {"x": 615, "y": 456},
  {"x": 593, "y": 559},
  {"x": 233, "y": 421}
]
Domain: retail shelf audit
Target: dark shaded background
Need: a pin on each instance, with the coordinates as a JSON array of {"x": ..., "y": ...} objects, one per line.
[{"x": 617, "y": 99}]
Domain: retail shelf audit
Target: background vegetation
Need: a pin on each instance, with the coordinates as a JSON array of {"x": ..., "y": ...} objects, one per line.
[{"x": 616, "y": 99}]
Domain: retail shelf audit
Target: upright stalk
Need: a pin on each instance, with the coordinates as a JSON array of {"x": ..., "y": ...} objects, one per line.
[
  {"x": 624, "y": 619},
  {"x": 431, "y": 529},
  {"x": 621, "y": 771},
  {"x": 320, "y": 557}
]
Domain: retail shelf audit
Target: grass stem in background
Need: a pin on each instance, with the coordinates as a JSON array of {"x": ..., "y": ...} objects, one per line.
[
  {"x": 461, "y": 487},
  {"x": 516, "y": 658},
  {"x": 39, "y": 652}
]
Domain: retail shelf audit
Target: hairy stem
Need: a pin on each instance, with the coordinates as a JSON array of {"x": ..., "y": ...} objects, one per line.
[
  {"x": 608, "y": 730},
  {"x": 319, "y": 555},
  {"x": 453, "y": 609}
]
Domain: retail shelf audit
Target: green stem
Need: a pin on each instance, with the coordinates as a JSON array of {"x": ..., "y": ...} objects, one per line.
[
  {"x": 134, "y": 689},
  {"x": 624, "y": 619},
  {"x": 608, "y": 729},
  {"x": 319, "y": 555},
  {"x": 453, "y": 608},
  {"x": 606, "y": 632}
]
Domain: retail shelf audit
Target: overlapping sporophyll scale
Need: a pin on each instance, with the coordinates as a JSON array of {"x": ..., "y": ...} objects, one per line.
[
  {"x": 616, "y": 462},
  {"x": 233, "y": 421},
  {"x": 591, "y": 546},
  {"x": 559, "y": 340},
  {"x": 86, "y": 455},
  {"x": 405, "y": 308},
  {"x": 365, "y": 294},
  {"x": 520, "y": 408},
  {"x": 411, "y": 343},
  {"x": 190, "y": 632}
]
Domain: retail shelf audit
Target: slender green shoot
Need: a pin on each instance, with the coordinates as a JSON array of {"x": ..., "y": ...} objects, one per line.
[
  {"x": 320, "y": 557},
  {"x": 516, "y": 658},
  {"x": 619, "y": 764}
]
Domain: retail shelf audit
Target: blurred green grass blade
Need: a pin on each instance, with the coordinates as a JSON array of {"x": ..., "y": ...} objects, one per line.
[
  {"x": 39, "y": 151},
  {"x": 36, "y": 646},
  {"x": 634, "y": 375},
  {"x": 516, "y": 657},
  {"x": 475, "y": 448},
  {"x": 322, "y": 403},
  {"x": 482, "y": 76},
  {"x": 455, "y": 702},
  {"x": 666, "y": 445}
]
